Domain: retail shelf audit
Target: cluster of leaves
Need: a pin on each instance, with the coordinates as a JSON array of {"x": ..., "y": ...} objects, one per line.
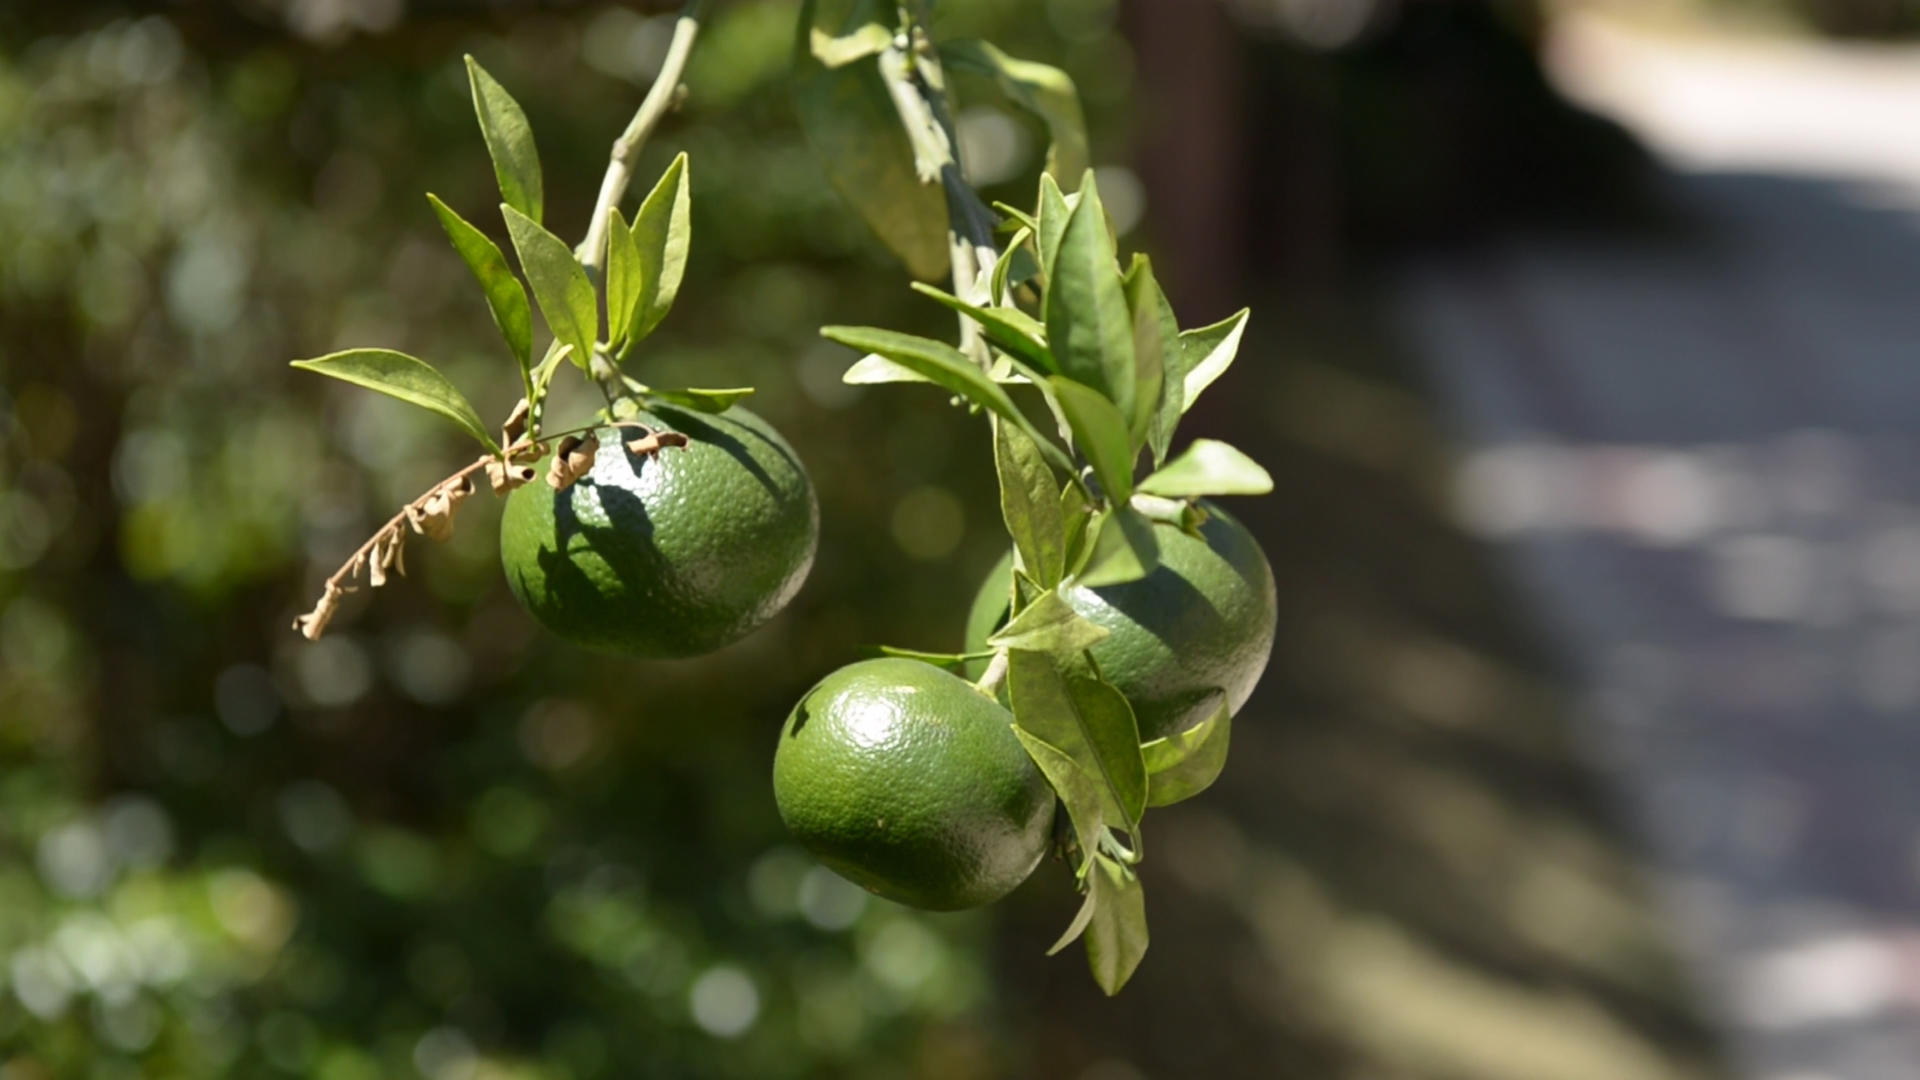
[
  {"x": 595, "y": 319},
  {"x": 1106, "y": 356},
  {"x": 1051, "y": 310},
  {"x": 883, "y": 146}
]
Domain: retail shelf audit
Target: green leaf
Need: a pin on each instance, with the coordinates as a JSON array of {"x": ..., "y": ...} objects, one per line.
[
  {"x": 1015, "y": 266},
  {"x": 662, "y": 233},
  {"x": 1089, "y": 326},
  {"x": 1029, "y": 504},
  {"x": 506, "y": 297},
  {"x": 851, "y": 123},
  {"x": 1075, "y": 516},
  {"x": 1008, "y": 327},
  {"x": 1017, "y": 216},
  {"x": 706, "y": 401},
  {"x": 1077, "y": 792},
  {"x": 1052, "y": 220},
  {"x": 1156, "y": 345},
  {"x": 941, "y": 363},
  {"x": 1185, "y": 764},
  {"x": 1124, "y": 549},
  {"x": 1100, "y": 434},
  {"x": 1074, "y": 709},
  {"x": 516, "y": 164},
  {"x": 1205, "y": 354},
  {"x": 625, "y": 278},
  {"x": 937, "y": 659},
  {"x": 1080, "y": 919},
  {"x": 559, "y": 283},
  {"x": 1208, "y": 467},
  {"x": 557, "y": 354},
  {"x": 1049, "y": 625},
  {"x": 1046, "y": 92},
  {"x": 408, "y": 378},
  {"x": 840, "y": 50},
  {"x": 1117, "y": 934},
  {"x": 874, "y": 369}
]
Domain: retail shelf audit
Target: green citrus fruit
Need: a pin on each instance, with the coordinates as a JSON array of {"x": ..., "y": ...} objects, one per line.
[
  {"x": 669, "y": 554},
  {"x": 907, "y": 781},
  {"x": 1203, "y": 620}
]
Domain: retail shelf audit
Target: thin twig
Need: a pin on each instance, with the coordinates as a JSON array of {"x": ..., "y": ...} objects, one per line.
[
  {"x": 995, "y": 674},
  {"x": 917, "y": 84},
  {"x": 431, "y": 514},
  {"x": 660, "y": 100}
]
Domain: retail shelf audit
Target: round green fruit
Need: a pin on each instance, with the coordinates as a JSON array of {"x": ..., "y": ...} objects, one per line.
[
  {"x": 909, "y": 782},
  {"x": 1204, "y": 619},
  {"x": 670, "y": 554}
]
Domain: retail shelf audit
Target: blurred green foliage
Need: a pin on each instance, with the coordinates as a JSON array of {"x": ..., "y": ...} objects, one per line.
[
  {"x": 441, "y": 843},
  {"x": 437, "y": 840}
]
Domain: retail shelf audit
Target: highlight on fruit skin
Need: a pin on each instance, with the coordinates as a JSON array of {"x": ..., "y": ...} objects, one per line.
[
  {"x": 1202, "y": 622},
  {"x": 908, "y": 781},
  {"x": 668, "y": 554}
]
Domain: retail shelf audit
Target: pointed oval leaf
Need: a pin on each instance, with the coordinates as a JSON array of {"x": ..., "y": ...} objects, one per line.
[
  {"x": 1029, "y": 504},
  {"x": 625, "y": 278},
  {"x": 1008, "y": 327},
  {"x": 1156, "y": 336},
  {"x": 1080, "y": 919},
  {"x": 1075, "y": 516},
  {"x": 874, "y": 369},
  {"x": 1124, "y": 549},
  {"x": 408, "y": 378},
  {"x": 663, "y": 233},
  {"x": 1117, "y": 933},
  {"x": 1015, "y": 267},
  {"x": 506, "y": 297},
  {"x": 1208, "y": 467},
  {"x": 1051, "y": 219},
  {"x": 1077, "y": 793},
  {"x": 1206, "y": 352},
  {"x": 1049, "y": 625},
  {"x": 1099, "y": 433},
  {"x": 937, "y": 659},
  {"x": 1185, "y": 764},
  {"x": 706, "y": 401},
  {"x": 516, "y": 164},
  {"x": 941, "y": 363},
  {"x": 1017, "y": 217},
  {"x": 560, "y": 284},
  {"x": 1074, "y": 709},
  {"x": 1089, "y": 326}
]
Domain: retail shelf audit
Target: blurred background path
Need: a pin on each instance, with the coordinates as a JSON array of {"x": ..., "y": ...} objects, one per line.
[{"x": 1697, "y": 453}]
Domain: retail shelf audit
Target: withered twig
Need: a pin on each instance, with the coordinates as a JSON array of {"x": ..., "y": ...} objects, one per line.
[{"x": 431, "y": 514}]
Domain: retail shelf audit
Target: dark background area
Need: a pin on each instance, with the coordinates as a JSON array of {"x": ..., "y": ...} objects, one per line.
[{"x": 441, "y": 842}]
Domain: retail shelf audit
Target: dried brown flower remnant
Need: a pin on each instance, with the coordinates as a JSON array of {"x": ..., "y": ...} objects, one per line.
[
  {"x": 314, "y": 623},
  {"x": 572, "y": 459},
  {"x": 504, "y": 476},
  {"x": 432, "y": 516},
  {"x": 389, "y": 553},
  {"x": 654, "y": 441},
  {"x": 515, "y": 426}
]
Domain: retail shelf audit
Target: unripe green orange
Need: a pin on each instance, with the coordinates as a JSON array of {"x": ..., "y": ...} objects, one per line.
[
  {"x": 1204, "y": 619},
  {"x": 908, "y": 781},
  {"x": 670, "y": 554}
]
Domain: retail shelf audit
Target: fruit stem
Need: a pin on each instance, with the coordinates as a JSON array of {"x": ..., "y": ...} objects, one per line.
[
  {"x": 995, "y": 674},
  {"x": 666, "y": 93}
]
